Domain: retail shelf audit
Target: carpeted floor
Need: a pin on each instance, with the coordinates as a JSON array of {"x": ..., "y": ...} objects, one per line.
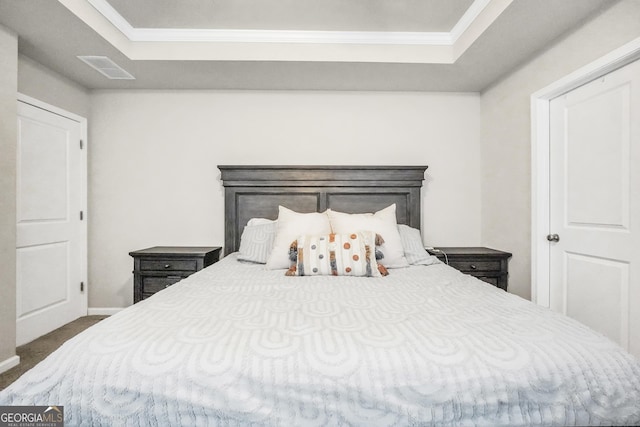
[{"x": 35, "y": 351}]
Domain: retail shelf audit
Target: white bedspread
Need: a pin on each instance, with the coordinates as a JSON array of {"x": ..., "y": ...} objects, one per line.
[{"x": 237, "y": 345}]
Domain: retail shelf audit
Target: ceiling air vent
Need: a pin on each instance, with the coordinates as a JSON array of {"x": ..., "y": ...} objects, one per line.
[{"x": 106, "y": 67}]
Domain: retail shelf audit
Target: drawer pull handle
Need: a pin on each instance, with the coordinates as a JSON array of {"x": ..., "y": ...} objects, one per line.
[
  {"x": 473, "y": 267},
  {"x": 167, "y": 266}
]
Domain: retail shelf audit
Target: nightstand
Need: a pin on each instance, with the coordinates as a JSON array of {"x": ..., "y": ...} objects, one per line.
[
  {"x": 488, "y": 265},
  {"x": 159, "y": 267}
]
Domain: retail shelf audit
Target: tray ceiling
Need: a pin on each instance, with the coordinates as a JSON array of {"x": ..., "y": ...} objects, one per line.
[
  {"x": 404, "y": 45},
  {"x": 327, "y": 15}
]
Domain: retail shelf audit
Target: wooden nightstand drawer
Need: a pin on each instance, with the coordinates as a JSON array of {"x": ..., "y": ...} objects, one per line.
[
  {"x": 168, "y": 264},
  {"x": 153, "y": 284},
  {"x": 472, "y": 266},
  {"x": 495, "y": 281},
  {"x": 488, "y": 265},
  {"x": 157, "y": 268}
]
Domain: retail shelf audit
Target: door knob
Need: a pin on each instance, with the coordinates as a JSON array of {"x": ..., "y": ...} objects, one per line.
[{"x": 553, "y": 237}]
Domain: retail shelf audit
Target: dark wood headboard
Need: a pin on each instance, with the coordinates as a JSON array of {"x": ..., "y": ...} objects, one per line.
[{"x": 257, "y": 191}]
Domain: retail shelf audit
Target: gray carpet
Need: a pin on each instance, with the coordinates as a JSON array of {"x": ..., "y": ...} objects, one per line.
[{"x": 35, "y": 351}]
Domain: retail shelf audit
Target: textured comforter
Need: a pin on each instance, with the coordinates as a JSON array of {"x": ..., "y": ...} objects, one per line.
[{"x": 237, "y": 345}]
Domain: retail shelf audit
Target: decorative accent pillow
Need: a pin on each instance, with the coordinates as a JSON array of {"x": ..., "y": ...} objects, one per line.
[
  {"x": 350, "y": 254},
  {"x": 413, "y": 246},
  {"x": 383, "y": 223},
  {"x": 257, "y": 240},
  {"x": 292, "y": 224}
]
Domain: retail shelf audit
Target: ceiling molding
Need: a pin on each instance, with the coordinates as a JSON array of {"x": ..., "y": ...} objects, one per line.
[
  {"x": 281, "y": 45},
  {"x": 467, "y": 19},
  {"x": 113, "y": 16},
  {"x": 476, "y": 20},
  {"x": 281, "y": 36}
]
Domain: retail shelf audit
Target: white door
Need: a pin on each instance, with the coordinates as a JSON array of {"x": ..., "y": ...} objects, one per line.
[
  {"x": 595, "y": 205},
  {"x": 51, "y": 237}
]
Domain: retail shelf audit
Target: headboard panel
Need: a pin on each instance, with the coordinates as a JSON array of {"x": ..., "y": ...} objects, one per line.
[{"x": 257, "y": 191}]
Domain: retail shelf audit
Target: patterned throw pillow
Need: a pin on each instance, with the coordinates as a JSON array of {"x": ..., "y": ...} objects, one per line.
[{"x": 351, "y": 254}]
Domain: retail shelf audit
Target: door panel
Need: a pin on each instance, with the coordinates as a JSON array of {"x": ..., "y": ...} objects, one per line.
[
  {"x": 595, "y": 205},
  {"x": 51, "y": 242},
  {"x": 597, "y": 294},
  {"x": 43, "y": 153},
  {"x": 46, "y": 285},
  {"x": 598, "y": 177}
]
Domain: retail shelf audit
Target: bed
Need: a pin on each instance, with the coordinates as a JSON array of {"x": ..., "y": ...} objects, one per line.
[{"x": 239, "y": 344}]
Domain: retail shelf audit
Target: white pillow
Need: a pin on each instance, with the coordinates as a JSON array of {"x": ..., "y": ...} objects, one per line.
[
  {"x": 383, "y": 223},
  {"x": 260, "y": 221},
  {"x": 291, "y": 225},
  {"x": 257, "y": 240},
  {"x": 413, "y": 246}
]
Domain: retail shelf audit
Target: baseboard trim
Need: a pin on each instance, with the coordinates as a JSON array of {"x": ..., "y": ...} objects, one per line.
[
  {"x": 9, "y": 363},
  {"x": 103, "y": 311}
]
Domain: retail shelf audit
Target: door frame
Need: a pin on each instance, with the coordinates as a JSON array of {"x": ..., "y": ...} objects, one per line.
[
  {"x": 540, "y": 148},
  {"x": 84, "y": 244}
]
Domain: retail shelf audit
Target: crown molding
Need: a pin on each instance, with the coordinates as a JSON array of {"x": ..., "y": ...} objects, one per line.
[
  {"x": 467, "y": 19},
  {"x": 286, "y": 36},
  {"x": 275, "y": 45},
  {"x": 280, "y": 36},
  {"x": 480, "y": 16}
]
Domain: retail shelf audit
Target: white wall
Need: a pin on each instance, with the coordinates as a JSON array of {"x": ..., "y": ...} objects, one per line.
[
  {"x": 48, "y": 86},
  {"x": 506, "y": 132},
  {"x": 8, "y": 143},
  {"x": 153, "y": 156}
]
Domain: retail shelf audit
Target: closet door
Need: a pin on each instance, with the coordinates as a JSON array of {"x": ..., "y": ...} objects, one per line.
[
  {"x": 51, "y": 235},
  {"x": 595, "y": 205}
]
